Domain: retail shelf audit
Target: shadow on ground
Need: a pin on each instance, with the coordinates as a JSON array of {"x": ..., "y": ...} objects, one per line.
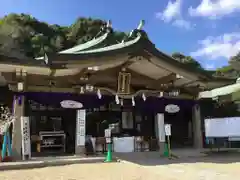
[{"x": 154, "y": 158}]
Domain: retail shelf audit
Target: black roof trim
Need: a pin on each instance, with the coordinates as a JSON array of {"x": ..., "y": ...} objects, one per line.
[{"x": 23, "y": 61}]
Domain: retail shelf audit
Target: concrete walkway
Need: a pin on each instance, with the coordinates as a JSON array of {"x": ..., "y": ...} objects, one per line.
[{"x": 49, "y": 161}]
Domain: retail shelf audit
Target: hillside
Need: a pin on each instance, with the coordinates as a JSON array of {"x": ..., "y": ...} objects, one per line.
[{"x": 25, "y": 35}]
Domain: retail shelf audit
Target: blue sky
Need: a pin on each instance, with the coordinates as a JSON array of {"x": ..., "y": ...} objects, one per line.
[{"x": 208, "y": 30}]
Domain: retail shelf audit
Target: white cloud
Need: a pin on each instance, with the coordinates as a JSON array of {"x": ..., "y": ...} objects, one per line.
[
  {"x": 223, "y": 46},
  {"x": 172, "y": 14},
  {"x": 172, "y": 11},
  {"x": 209, "y": 66},
  {"x": 215, "y": 8},
  {"x": 182, "y": 23}
]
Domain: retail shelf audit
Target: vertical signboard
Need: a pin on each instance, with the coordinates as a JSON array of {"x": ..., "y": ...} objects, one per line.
[
  {"x": 25, "y": 132},
  {"x": 80, "y": 127},
  {"x": 161, "y": 129},
  {"x": 107, "y": 133}
]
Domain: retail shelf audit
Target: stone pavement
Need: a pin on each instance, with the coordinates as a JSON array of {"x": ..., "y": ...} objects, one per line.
[
  {"x": 49, "y": 161},
  {"x": 64, "y": 160},
  {"x": 221, "y": 169}
]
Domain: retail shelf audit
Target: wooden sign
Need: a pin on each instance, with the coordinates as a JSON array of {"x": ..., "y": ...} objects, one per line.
[
  {"x": 71, "y": 104},
  {"x": 25, "y": 131},
  {"x": 107, "y": 133},
  {"x": 172, "y": 108},
  {"x": 80, "y": 127},
  {"x": 124, "y": 81}
]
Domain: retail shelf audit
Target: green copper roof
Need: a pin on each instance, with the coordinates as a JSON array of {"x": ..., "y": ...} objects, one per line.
[
  {"x": 137, "y": 42},
  {"x": 101, "y": 44},
  {"x": 99, "y": 41},
  {"x": 87, "y": 45},
  {"x": 113, "y": 47}
]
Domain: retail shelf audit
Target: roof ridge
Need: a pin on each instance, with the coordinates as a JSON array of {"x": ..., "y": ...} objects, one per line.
[
  {"x": 86, "y": 45},
  {"x": 107, "y": 28},
  {"x": 114, "y": 46}
]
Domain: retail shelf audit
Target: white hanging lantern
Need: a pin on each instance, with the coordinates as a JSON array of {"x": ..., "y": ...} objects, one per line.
[
  {"x": 161, "y": 94},
  {"x": 99, "y": 94},
  {"x": 81, "y": 90},
  {"x": 133, "y": 101},
  {"x": 89, "y": 87},
  {"x": 117, "y": 99},
  {"x": 144, "y": 97},
  {"x": 20, "y": 86},
  {"x": 121, "y": 102}
]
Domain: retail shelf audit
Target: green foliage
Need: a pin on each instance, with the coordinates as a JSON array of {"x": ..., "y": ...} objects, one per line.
[
  {"x": 229, "y": 71},
  {"x": 188, "y": 60},
  {"x": 25, "y": 36},
  {"x": 233, "y": 69},
  {"x": 236, "y": 57},
  {"x": 225, "y": 69},
  {"x": 235, "y": 62}
]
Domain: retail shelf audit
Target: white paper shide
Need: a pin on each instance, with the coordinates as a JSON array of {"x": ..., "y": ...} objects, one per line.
[{"x": 71, "y": 104}]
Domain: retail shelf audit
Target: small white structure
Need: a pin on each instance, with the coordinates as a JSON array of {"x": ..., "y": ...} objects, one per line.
[
  {"x": 226, "y": 90},
  {"x": 222, "y": 127}
]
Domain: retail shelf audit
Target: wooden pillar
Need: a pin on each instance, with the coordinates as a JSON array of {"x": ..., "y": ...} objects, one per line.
[
  {"x": 197, "y": 129},
  {"x": 80, "y": 131}
]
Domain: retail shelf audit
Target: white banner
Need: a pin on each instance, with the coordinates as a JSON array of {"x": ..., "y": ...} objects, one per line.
[
  {"x": 25, "y": 131},
  {"x": 80, "y": 127}
]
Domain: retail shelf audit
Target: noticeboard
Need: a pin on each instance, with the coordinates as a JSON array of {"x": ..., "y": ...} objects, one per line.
[{"x": 168, "y": 129}]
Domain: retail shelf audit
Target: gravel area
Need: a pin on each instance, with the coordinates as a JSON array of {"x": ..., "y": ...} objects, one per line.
[
  {"x": 128, "y": 171},
  {"x": 198, "y": 171},
  {"x": 98, "y": 171}
]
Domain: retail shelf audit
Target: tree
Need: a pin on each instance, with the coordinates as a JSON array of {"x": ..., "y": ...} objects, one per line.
[
  {"x": 10, "y": 46},
  {"x": 231, "y": 70},
  {"x": 235, "y": 61},
  {"x": 188, "y": 60},
  {"x": 24, "y": 35}
]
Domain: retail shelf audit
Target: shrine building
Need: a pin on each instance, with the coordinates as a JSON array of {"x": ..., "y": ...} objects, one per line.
[{"x": 131, "y": 86}]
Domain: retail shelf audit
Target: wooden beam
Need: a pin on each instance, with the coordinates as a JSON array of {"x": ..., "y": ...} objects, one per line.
[
  {"x": 167, "y": 79},
  {"x": 140, "y": 55},
  {"x": 128, "y": 63},
  {"x": 76, "y": 90},
  {"x": 76, "y": 78}
]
